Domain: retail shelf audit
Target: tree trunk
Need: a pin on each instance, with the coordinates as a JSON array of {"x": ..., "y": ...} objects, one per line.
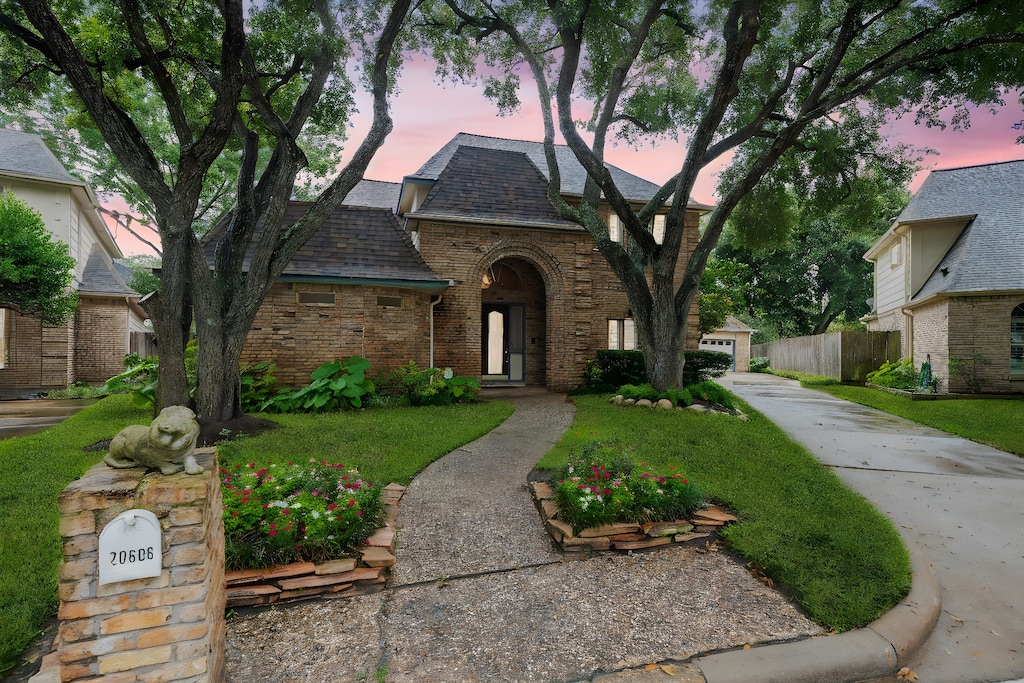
[{"x": 171, "y": 314}]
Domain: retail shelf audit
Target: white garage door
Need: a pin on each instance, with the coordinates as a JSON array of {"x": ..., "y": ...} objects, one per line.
[{"x": 722, "y": 346}]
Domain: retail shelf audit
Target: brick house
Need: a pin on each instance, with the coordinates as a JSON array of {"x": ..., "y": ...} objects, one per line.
[
  {"x": 464, "y": 264},
  {"x": 109, "y": 322},
  {"x": 949, "y": 275}
]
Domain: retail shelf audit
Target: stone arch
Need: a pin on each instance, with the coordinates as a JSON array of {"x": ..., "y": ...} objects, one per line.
[{"x": 543, "y": 330}]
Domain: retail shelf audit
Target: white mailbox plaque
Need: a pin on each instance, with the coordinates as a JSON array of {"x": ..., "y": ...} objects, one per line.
[{"x": 130, "y": 547}]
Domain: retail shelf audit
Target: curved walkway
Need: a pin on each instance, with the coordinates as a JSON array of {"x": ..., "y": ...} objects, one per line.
[
  {"x": 480, "y": 593},
  {"x": 956, "y": 502}
]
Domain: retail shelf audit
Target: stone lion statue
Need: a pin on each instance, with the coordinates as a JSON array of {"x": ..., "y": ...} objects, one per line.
[{"x": 167, "y": 444}]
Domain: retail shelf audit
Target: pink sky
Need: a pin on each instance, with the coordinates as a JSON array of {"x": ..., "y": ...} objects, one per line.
[{"x": 427, "y": 114}]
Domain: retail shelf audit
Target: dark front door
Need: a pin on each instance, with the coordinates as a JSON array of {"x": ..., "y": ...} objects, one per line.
[{"x": 504, "y": 342}]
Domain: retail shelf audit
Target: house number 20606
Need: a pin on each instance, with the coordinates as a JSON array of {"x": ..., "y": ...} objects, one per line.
[{"x": 130, "y": 556}]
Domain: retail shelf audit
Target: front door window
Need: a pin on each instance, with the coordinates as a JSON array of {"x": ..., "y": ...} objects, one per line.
[{"x": 504, "y": 342}]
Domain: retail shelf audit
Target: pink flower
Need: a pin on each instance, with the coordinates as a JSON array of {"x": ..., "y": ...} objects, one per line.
[
  {"x": 359, "y": 512},
  {"x": 273, "y": 532}
]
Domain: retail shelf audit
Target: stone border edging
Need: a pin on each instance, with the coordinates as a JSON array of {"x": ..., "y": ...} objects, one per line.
[{"x": 879, "y": 649}]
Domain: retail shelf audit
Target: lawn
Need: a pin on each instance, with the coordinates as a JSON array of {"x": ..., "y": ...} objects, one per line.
[
  {"x": 33, "y": 471},
  {"x": 993, "y": 421},
  {"x": 822, "y": 543},
  {"x": 385, "y": 445}
]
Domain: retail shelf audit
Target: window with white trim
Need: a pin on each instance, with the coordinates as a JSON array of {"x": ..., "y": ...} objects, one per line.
[
  {"x": 1017, "y": 341},
  {"x": 896, "y": 254},
  {"x": 658, "y": 228},
  {"x": 6, "y": 330},
  {"x": 614, "y": 227},
  {"x": 621, "y": 334}
]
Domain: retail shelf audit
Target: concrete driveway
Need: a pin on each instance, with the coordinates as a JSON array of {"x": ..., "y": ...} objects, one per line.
[
  {"x": 18, "y": 418},
  {"x": 958, "y": 502}
]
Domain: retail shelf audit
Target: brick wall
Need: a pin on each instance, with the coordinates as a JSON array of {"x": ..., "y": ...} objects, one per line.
[
  {"x": 301, "y": 337},
  {"x": 580, "y": 295},
  {"x": 101, "y": 334},
  {"x": 982, "y": 324},
  {"x": 930, "y": 339},
  {"x": 38, "y": 356},
  {"x": 166, "y": 628}
]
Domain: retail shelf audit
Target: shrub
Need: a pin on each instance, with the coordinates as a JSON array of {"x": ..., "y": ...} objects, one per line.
[
  {"x": 759, "y": 364},
  {"x": 429, "y": 387},
  {"x": 310, "y": 512},
  {"x": 258, "y": 387},
  {"x": 600, "y": 485},
  {"x": 898, "y": 375},
  {"x": 679, "y": 397},
  {"x": 969, "y": 370},
  {"x": 612, "y": 369},
  {"x": 638, "y": 391},
  {"x": 715, "y": 393},
  {"x": 335, "y": 385},
  {"x": 138, "y": 379},
  {"x": 704, "y": 365}
]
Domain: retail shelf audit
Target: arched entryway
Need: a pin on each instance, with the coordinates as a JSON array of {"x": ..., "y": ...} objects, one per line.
[{"x": 513, "y": 323}]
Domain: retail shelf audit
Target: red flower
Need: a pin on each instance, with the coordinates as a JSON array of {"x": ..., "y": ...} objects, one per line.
[
  {"x": 286, "y": 511},
  {"x": 273, "y": 532},
  {"x": 331, "y": 506},
  {"x": 351, "y": 502}
]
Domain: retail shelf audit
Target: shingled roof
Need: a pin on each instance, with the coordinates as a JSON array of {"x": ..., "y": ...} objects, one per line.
[
  {"x": 355, "y": 244},
  {"x": 572, "y": 173},
  {"x": 989, "y": 254},
  {"x": 100, "y": 275},
  {"x": 26, "y": 155},
  {"x": 494, "y": 186},
  {"x": 376, "y": 193}
]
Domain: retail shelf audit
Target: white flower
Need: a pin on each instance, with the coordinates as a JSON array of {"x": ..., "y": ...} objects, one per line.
[
  {"x": 448, "y": 374},
  {"x": 295, "y": 506},
  {"x": 314, "y": 514},
  {"x": 280, "y": 504}
]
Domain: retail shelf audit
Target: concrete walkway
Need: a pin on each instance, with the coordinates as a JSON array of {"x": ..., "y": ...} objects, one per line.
[
  {"x": 955, "y": 502},
  {"x": 28, "y": 416}
]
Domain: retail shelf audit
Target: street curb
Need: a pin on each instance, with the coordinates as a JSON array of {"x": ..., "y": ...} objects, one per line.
[{"x": 879, "y": 649}]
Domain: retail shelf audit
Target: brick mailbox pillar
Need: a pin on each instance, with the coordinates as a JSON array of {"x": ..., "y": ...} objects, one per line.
[{"x": 165, "y": 628}]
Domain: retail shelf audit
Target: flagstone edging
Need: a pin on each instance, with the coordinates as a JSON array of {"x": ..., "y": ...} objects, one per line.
[
  {"x": 701, "y": 529},
  {"x": 342, "y": 578}
]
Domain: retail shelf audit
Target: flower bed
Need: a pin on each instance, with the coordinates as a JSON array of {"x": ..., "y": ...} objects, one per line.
[
  {"x": 602, "y": 501},
  {"x": 308, "y": 512}
]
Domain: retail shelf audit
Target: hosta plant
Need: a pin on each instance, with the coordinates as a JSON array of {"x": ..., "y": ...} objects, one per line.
[{"x": 276, "y": 514}]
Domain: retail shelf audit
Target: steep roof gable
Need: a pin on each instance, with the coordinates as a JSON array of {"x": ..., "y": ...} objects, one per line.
[
  {"x": 26, "y": 155},
  {"x": 572, "y": 173},
  {"x": 989, "y": 253},
  {"x": 101, "y": 275},
  {"x": 491, "y": 185},
  {"x": 354, "y": 243}
]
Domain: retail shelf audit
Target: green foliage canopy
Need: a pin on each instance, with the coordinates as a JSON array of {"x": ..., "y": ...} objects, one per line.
[
  {"x": 792, "y": 94},
  {"x": 36, "y": 271}
]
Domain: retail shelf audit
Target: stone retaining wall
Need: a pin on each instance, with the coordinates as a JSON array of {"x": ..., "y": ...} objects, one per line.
[
  {"x": 154, "y": 630},
  {"x": 701, "y": 529},
  {"x": 340, "y": 578}
]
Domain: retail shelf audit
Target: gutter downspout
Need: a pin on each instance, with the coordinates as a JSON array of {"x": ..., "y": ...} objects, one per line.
[
  {"x": 451, "y": 283},
  {"x": 908, "y": 315}
]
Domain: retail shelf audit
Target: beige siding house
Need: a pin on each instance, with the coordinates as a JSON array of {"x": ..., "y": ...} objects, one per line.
[
  {"x": 949, "y": 275},
  {"x": 91, "y": 347},
  {"x": 732, "y": 338}
]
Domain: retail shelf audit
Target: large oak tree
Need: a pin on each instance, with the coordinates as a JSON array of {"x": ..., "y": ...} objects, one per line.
[
  {"x": 792, "y": 93},
  {"x": 206, "y": 106}
]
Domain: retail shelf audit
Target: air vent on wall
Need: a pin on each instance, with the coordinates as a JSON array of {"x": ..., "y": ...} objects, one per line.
[
  {"x": 315, "y": 297},
  {"x": 389, "y": 301}
]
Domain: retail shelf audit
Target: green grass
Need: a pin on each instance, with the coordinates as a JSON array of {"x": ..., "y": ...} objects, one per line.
[
  {"x": 33, "y": 471},
  {"x": 386, "y": 445},
  {"x": 390, "y": 445},
  {"x": 993, "y": 421},
  {"x": 842, "y": 560}
]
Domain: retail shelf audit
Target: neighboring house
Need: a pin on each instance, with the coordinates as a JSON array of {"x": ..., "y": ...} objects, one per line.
[
  {"x": 732, "y": 338},
  {"x": 109, "y": 322},
  {"x": 949, "y": 275},
  {"x": 465, "y": 264}
]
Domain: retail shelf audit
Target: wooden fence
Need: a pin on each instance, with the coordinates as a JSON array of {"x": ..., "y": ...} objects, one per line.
[{"x": 848, "y": 356}]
